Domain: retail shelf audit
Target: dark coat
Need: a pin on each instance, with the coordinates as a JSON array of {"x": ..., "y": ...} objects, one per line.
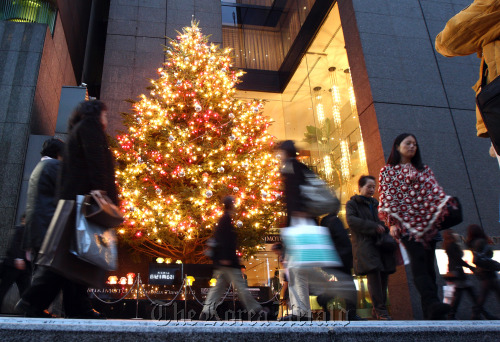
[
  {"x": 340, "y": 239},
  {"x": 293, "y": 177},
  {"x": 363, "y": 223},
  {"x": 14, "y": 250},
  {"x": 226, "y": 244},
  {"x": 41, "y": 202},
  {"x": 87, "y": 164},
  {"x": 455, "y": 261}
]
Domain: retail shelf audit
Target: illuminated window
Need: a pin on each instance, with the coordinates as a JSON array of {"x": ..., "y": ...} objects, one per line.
[{"x": 29, "y": 11}]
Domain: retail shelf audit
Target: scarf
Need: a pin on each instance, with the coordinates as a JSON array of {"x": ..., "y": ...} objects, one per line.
[{"x": 411, "y": 200}]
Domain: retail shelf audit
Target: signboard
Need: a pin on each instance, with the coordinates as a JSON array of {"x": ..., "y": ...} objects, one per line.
[{"x": 164, "y": 274}]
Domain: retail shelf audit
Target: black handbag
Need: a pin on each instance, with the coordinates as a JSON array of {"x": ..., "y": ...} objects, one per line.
[
  {"x": 93, "y": 243},
  {"x": 488, "y": 102},
  {"x": 100, "y": 210},
  {"x": 386, "y": 242},
  {"x": 55, "y": 251},
  {"x": 453, "y": 215}
]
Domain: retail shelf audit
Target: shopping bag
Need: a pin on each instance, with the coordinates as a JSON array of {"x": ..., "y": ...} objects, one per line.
[
  {"x": 92, "y": 242},
  {"x": 55, "y": 255},
  {"x": 309, "y": 245},
  {"x": 401, "y": 255}
]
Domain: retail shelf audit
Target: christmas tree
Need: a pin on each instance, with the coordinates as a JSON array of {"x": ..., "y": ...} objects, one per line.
[{"x": 189, "y": 144}]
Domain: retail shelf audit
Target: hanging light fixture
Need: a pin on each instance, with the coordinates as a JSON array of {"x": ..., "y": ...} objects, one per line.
[
  {"x": 327, "y": 166},
  {"x": 352, "y": 98},
  {"x": 320, "y": 113},
  {"x": 345, "y": 159},
  {"x": 335, "y": 92}
]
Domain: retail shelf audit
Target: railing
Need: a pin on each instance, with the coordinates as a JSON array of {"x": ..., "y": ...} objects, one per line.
[{"x": 29, "y": 11}]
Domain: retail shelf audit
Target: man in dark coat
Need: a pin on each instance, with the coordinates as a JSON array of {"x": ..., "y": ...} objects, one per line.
[
  {"x": 227, "y": 269},
  {"x": 15, "y": 268},
  {"x": 41, "y": 202}
]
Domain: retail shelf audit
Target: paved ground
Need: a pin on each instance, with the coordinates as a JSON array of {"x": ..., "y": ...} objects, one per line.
[{"x": 38, "y": 329}]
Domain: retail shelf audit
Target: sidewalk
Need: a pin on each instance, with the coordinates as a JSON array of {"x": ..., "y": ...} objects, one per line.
[{"x": 39, "y": 329}]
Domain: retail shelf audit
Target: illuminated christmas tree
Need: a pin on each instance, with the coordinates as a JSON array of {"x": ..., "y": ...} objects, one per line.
[{"x": 189, "y": 144}]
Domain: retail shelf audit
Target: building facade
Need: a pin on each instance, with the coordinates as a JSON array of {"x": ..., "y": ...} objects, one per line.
[{"x": 342, "y": 78}]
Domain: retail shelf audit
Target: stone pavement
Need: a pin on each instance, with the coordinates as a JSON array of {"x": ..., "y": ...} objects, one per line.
[{"x": 39, "y": 329}]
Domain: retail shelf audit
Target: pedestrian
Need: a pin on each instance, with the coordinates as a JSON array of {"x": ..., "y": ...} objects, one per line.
[
  {"x": 41, "y": 200},
  {"x": 372, "y": 259},
  {"x": 306, "y": 280},
  {"x": 283, "y": 279},
  {"x": 87, "y": 165},
  {"x": 456, "y": 273},
  {"x": 412, "y": 204},
  {"x": 227, "y": 269},
  {"x": 343, "y": 245},
  {"x": 15, "y": 267},
  {"x": 486, "y": 268},
  {"x": 475, "y": 30}
]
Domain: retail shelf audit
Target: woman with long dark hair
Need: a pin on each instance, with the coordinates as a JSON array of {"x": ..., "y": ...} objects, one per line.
[
  {"x": 413, "y": 204},
  {"x": 486, "y": 270},
  {"x": 369, "y": 258},
  {"x": 87, "y": 165}
]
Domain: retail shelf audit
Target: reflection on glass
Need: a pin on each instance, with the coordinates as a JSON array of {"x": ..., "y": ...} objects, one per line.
[{"x": 318, "y": 110}]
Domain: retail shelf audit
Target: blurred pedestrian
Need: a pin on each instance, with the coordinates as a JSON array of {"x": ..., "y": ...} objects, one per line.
[
  {"x": 475, "y": 30},
  {"x": 87, "y": 165},
  {"x": 486, "y": 268},
  {"x": 306, "y": 280},
  {"x": 227, "y": 269},
  {"x": 15, "y": 267},
  {"x": 372, "y": 259},
  {"x": 456, "y": 274},
  {"x": 343, "y": 245},
  {"x": 41, "y": 200},
  {"x": 411, "y": 204}
]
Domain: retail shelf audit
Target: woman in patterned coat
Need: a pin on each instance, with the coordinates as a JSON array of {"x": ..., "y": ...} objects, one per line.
[{"x": 413, "y": 204}]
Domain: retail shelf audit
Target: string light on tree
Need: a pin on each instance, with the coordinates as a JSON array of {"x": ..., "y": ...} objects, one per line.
[{"x": 190, "y": 143}]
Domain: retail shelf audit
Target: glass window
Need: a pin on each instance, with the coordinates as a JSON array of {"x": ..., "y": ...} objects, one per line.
[{"x": 261, "y": 32}]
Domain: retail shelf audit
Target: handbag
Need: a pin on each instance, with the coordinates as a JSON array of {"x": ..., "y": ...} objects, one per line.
[
  {"x": 386, "y": 242},
  {"x": 453, "y": 215},
  {"x": 93, "y": 243},
  {"x": 309, "y": 245},
  {"x": 317, "y": 197},
  {"x": 55, "y": 255},
  {"x": 100, "y": 210},
  {"x": 488, "y": 103}
]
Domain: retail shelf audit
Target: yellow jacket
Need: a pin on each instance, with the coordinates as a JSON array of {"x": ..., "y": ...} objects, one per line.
[{"x": 476, "y": 29}]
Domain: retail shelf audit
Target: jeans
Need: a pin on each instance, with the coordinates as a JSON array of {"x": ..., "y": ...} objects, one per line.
[
  {"x": 226, "y": 276},
  {"x": 305, "y": 280}
]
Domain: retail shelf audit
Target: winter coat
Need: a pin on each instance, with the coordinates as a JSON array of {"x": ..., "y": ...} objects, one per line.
[
  {"x": 455, "y": 261},
  {"x": 87, "y": 164},
  {"x": 293, "y": 177},
  {"x": 475, "y": 30},
  {"x": 226, "y": 242},
  {"x": 14, "y": 250},
  {"x": 340, "y": 239},
  {"x": 363, "y": 222},
  {"x": 41, "y": 202}
]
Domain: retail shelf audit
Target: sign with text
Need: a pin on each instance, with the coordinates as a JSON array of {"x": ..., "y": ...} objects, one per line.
[{"x": 164, "y": 274}]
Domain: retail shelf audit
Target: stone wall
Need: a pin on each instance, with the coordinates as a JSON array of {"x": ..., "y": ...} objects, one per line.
[
  {"x": 403, "y": 85},
  {"x": 137, "y": 32}
]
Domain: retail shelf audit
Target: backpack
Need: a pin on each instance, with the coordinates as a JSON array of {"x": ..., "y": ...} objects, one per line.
[{"x": 316, "y": 196}]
